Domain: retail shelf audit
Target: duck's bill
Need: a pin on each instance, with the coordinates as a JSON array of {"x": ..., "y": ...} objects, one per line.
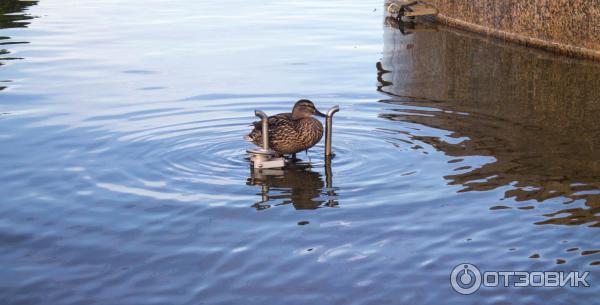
[{"x": 319, "y": 113}]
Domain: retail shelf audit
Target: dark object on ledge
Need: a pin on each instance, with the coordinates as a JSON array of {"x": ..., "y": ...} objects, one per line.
[{"x": 410, "y": 9}]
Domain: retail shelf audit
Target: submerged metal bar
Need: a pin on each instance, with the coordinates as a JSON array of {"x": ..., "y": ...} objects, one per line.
[
  {"x": 328, "y": 176},
  {"x": 265, "y": 128},
  {"x": 328, "y": 127},
  {"x": 329, "y": 183}
]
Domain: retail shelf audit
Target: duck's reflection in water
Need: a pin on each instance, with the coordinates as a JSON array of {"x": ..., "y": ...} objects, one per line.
[
  {"x": 296, "y": 184},
  {"x": 532, "y": 115}
]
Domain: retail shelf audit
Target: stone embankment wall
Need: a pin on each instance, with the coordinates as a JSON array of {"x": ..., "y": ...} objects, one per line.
[{"x": 569, "y": 27}]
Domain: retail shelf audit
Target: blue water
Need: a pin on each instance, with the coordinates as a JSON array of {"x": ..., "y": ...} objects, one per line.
[{"x": 124, "y": 178}]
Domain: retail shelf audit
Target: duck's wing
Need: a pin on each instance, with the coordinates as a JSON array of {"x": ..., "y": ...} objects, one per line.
[
  {"x": 274, "y": 121},
  {"x": 280, "y": 123},
  {"x": 280, "y": 120},
  {"x": 282, "y": 128}
]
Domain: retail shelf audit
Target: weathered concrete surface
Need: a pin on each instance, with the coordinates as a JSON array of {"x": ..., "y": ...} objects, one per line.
[{"x": 570, "y": 27}]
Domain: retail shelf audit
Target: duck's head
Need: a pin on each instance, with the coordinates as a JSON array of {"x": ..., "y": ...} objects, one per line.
[{"x": 304, "y": 109}]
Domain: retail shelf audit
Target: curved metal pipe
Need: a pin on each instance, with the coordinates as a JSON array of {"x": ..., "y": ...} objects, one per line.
[
  {"x": 265, "y": 128},
  {"x": 328, "y": 127}
]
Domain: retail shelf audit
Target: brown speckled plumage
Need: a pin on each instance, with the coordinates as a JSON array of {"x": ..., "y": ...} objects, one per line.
[{"x": 290, "y": 133}]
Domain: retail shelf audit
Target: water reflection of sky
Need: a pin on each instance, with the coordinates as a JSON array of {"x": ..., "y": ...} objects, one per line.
[{"x": 123, "y": 174}]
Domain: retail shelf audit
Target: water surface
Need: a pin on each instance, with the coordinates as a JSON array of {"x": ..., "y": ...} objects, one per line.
[{"x": 124, "y": 178}]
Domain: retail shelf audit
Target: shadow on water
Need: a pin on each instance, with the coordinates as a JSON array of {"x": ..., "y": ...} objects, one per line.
[
  {"x": 12, "y": 15},
  {"x": 534, "y": 115},
  {"x": 296, "y": 184}
]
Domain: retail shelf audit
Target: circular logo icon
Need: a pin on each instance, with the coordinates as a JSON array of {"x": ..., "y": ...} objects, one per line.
[{"x": 465, "y": 278}]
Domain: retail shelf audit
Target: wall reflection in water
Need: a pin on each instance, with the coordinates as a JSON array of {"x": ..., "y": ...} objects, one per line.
[
  {"x": 534, "y": 113},
  {"x": 297, "y": 184},
  {"x": 12, "y": 15}
]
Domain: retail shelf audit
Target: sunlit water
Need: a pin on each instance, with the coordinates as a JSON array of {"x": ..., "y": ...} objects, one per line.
[{"x": 124, "y": 178}]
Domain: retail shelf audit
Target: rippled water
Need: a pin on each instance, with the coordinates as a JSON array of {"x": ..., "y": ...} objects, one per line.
[{"x": 124, "y": 179}]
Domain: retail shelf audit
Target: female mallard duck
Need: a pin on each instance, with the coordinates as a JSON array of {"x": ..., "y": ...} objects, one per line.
[{"x": 290, "y": 133}]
